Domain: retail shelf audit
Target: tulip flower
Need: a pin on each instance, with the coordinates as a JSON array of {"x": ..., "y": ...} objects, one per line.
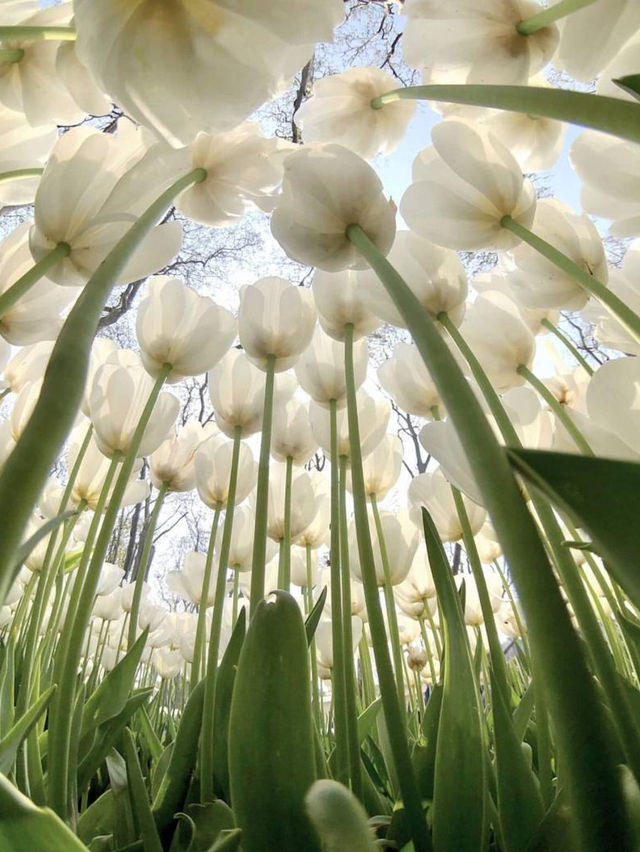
[
  {"x": 324, "y": 641},
  {"x": 401, "y": 538},
  {"x": 241, "y": 548},
  {"x": 92, "y": 474},
  {"x": 22, "y": 147},
  {"x": 382, "y": 467},
  {"x": 320, "y": 369},
  {"x": 292, "y": 437},
  {"x": 325, "y": 189},
  {"x": 463, "y": 187},
  {"x": 373, "y": 414},
  {"x": 340, "y": 111},
  {"x": 172, "y": 464},
  {"x": 612, "y": 400},
  {"x": 187, "y": 583},
  {"x": 432, "y": 491},
  {"x": 407, "y": 381},
  {"x": 195, "y": 66},
  {"x": 502, "y": 278},
  {"x": 116, "y": 402},
  {"x": 304, "y": 502},
  {"x": 177, "y": 326},
  {"x": 212, "y": 464},
  {"x": 625, "y": 284},
  {"x": 467, "y": 42},
  {"x": 536, "y": 282},
  {"x": 276, "y": 319},
  {"x": 339, "y": 302},
  {"x": 435, "y": 275},
  {"x": 92, "y": 190},
  {"x": 27, "y": 365},
  {"x": 316, "y": 533}
]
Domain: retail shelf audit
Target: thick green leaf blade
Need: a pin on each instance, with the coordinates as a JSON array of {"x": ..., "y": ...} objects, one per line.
[
  {"x": 98, "y": 818},
  {"x": 459, "y": 777},
  {"x": 367, "y": 719},
  {"x": 139, "y": 796},
  {"x": 224, "y": 690},
  {"x": 201, "y": 826},
  {"x": 7, "y": 687},
  {"x": 601, "y": 495},
  {"x": 26, "y": 828},
  {"x": 424, "y": 756},
  {"x": 10, "y": 743},
  {"x": 313, "y": 619},
  {"x": 271, "y": 758},
  {"x": 610, "y": 115},
  {"x": 630, "y": 84}
]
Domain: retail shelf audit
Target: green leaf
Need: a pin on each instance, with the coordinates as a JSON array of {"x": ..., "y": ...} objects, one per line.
[
  {"x": 523, "y": 712},
  {"x": 30, "y": 544},
  {"x": 11, "y": 742},
  {"x": 111, "y": 696},
  {"x": 630, "y": 84},
  {"x": 124, "y": 828},
  {"x": 97, "y": 819},
  {"x": 27, "y": 828},
  {"x": 610, "y": 115},
  {"x": 459, "y": 779},
  {"x": 313, "y": 619},
  {"x": 139, "y": 798},
  {"x": 171, "y": 796},
  {"x": 424, "y": 756},
  {"x": 367, "y": 719},
  {"x": 339, "y": 818},
  {"x": 600, "y": 495},
  {"x": 7, "y": 687},
  {"x": 519, "y": 800},
  {"x": 201, "y": 826},
  {"x": 152, "y": 742},
  {"x": 224, "y": 690},
  {"x": 271, "y": 758},
  {"x": 228, "y": 841}
]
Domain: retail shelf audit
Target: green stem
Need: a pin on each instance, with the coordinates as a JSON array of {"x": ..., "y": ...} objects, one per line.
[
  {"x": 22, "y": 286},
  {"x": 284, "y": 565},
  {"x": 198, "y": 647},
  {"x": 234, "y": 605},
  {"x": 394, "y": 717},
  {"x": 208, "y": 718},
  {"x": 428, "y": 651},
  {"x": 64, "y": 698},
  {"x": 143, "y": 565},
  {"x": 392, "y": 618},
  {"x": 17, "y": 174},
  {"x": 338, "y": 615},
  {"x": 588, "y": 755},
  {"x": 262, "y": 491},
  {"x": 353, "y": 744},
  {"x": 11, "y": 55},
  {"x": 531, "y": 25},
  {"x": 609, "y": 115},
  {"x": 19, "y": 33},
  {"x": 317, "y": 706},
  {"x": 566, "y": 341},
  {"x": 615, "y": 306},
  {"x": 576, "y": 435},
  {"x": 26, "y": 470}
]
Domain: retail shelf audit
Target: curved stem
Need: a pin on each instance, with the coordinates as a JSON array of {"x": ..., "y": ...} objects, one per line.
[
  {"x": 317, "y": 706},
  {"x": 262, "y": 492},
  {"x": 284, "y": 564},
  {"x": 576, "y": 435},
  {"x": 20, "y": 33},
  {"x": 394, "y": 717},
  {"x": 22, "y": 286},
  {"x": 586, "y": 750},
  {"x": 143, "y": 564},
  {"x": 208, "y": 718},
  {"x": 568, "y": 343},
  {"x": 18, "y": 174},
  {"x": 198, "y": 646},
  {"x": 531, "y": 25},
  {"x": 26, "y": 470},
  {"x": 615, "y": 306}
]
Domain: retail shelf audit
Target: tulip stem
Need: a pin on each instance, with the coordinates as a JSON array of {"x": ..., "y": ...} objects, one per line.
[
  {"x": 317, "y": 706},
  {"x": 262, "y": 491},
  {"x": 143, "y": 564},
  {"x": 208, "y": 714},
  {"x": 394, "y": 717},
  {"x": 610, "y": 115},
  {"x": 355, "y": 773},
  {"x": 568, "y": 343},
  {"x": 284, "y": 560},
  {"x": 615, "y": 306},
  {"x": 576, "y": 435},
  {"x": 20, "y": 33},
  {"x": 530, "y": 26},
  {"x": 18, "y": 174},
  {"x": 593, "y": 783},
  {"x": 22, "y": 286},
  {"x": 198, "y": 646},
  {"x": 25, "y": 471},
  {"x": 338, "y": 615},
  {"x": 64, "y": 698}
]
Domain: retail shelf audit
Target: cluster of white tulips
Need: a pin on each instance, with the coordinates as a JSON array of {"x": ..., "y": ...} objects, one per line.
[{"x": 420, "y": 644}]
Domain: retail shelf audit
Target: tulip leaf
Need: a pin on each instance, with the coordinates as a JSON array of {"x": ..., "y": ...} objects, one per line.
[
  {"x": 7, "y": 686},
  {"x": 424, "y": 756},
  {"x": 339, "y": 818},
  {"x": 12, "y": 740},
  {"x": 110, "y": 697},
  {"x": 459, "y": 777},
  {"x": 523, "y": 712},
  {"x": 313, "y": 618},
  {"x": 610, "y": 115},
  {"x": 151, "y": 739},
  {"x": 139, "y": 796},
  {"x": 271, "y": 756},
  {"x": 97, "y": 819},
  {"x": 201, "y": 826},
  {"x": 630, "y": 84},
  {"x": 367, "y": 719},
  {"x": 224, "y": 690},
  {"x": 601, "y": 495},
  {"x": 24, "y": 827},
  {"x": 124, "y": 827},
  {"x": 519, "y": 801},
  {"x": 24, "y": 551},
  {"x": 174, "y": 787}
]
